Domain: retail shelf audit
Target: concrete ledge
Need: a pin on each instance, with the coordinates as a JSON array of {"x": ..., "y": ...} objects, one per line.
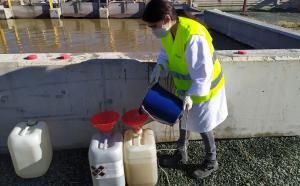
[
  {"x": 80, "y": 9},
  {"x": 103, "y": 12},
  {"x": 257, "y": 34},
  {"x": 263, "y": 91},
  {"x": 6, "y": 13},
  {"x": 126, "y": 9},
  {"x": 27, "y": 11},
  {"x": 237, "y": 5},
  {"x": 55, "y": 13},
  {"x": 120, "y": 9}
]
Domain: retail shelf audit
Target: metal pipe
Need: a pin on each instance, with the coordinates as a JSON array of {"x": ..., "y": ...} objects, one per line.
[
  {"x": 51, "y": 4},
  {"x": 244, "y": 7},
  {"x": 9, "y": 3},
  {"x": 3, "y": 37}
]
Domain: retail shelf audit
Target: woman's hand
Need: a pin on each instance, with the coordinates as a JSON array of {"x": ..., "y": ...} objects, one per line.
[{"x": 187, "y": 103}]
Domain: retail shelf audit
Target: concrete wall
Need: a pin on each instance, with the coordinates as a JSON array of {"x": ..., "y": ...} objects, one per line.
[
  {"x": 263, "y": 91},
  {"x": 31, "y": 11},
  {"x": 89, "y": 9},
  {"x": 251, "y": 4},
  {"x": 80, "y": 9},
  {"x": 125, "y": 9},
  {"x": 259, "y": 35}
]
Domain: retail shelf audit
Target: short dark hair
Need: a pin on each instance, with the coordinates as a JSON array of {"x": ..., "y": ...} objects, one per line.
[{"x": 156, "y": 10}]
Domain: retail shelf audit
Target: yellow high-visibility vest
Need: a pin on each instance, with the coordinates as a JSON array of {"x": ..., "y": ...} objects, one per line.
[{"x": 178, "y": 67}]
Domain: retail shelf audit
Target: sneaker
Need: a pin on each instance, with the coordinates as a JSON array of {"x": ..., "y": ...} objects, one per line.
[
  {"x": 206, "y": 168},
  {"x": 173, "y": 160}
]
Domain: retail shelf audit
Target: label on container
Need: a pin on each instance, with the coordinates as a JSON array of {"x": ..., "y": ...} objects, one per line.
[{"x": 107, "y": 170}]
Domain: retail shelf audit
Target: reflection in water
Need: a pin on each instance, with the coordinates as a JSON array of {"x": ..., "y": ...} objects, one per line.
[
  {"x": 76, "y": 35},
  {"x": 87, "y": 35}
]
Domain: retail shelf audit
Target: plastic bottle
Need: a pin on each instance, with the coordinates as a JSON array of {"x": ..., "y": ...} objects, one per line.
[
  {"x": 106, "y": 159},
  {"x": 140, "y": 158},
  {"x": 30, "y": 148}
]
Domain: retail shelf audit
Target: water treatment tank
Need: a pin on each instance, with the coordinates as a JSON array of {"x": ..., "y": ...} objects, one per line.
[
  {"x": 140, "y": 159},
  {"x": 106, "y": 159},
  {"x": 30, "y": 148}
]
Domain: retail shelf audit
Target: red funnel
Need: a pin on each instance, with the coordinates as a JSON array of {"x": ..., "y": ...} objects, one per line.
[
  {"x": 134, "y": 119},
  {"x": 105, "y": 121}
]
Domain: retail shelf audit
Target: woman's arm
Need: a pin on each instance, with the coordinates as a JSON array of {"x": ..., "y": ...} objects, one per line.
[
  {"x": 162, "y": 60},
  {"x": 200, "y": 65}
]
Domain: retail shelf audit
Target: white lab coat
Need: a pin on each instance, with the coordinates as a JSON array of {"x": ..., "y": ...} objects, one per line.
[{"x": 205, "y": 116}]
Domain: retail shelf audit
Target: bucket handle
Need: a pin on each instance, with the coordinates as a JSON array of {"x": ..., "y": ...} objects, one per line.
[{"x": 24, "y": 131}]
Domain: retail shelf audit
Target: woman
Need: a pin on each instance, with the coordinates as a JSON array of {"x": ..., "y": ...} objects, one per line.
[{"x": 187, "y": 54}]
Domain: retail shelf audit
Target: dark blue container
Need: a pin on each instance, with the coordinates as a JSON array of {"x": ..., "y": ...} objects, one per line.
[{"x": 162, "y": 106}]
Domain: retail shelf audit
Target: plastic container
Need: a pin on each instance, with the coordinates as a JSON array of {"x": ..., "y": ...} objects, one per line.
[
  {"x": 106, "y": 151},
  {"x": 162, "y": 106},
  {"x": 106, "y": 159},
  {"x": 140, "y": 159},
  {"x": 30, "y": 148}
]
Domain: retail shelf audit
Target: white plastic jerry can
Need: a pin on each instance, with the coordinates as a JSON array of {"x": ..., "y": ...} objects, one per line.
[
  {"x": 30, "y": 148},
  {"x": 106, "y": 159},
  {"x": 140, "y": 158}
]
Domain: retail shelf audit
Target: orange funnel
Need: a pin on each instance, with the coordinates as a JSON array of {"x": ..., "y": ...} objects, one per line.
[
  {"x": 134, "y": 119},
  {"x": 105, "y": 121}
]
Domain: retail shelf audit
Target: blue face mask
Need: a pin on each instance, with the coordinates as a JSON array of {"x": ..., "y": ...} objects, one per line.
[{"x": 161, "y": 32}]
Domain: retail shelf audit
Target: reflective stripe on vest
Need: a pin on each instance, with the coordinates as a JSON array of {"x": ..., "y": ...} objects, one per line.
[
  {"x": 180, "y": 76},
  {"x": 187, "y": 76},
  {"x": 213, "y": 84}
]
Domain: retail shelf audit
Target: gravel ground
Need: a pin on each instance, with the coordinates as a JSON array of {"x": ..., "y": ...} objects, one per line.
[
  {"x": 255, "y": 161},
  {"x": 68, "y": 167},
  {"x": 284, "y": 19}
]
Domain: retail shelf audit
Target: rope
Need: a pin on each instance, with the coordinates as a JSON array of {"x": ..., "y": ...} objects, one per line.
[
  {"x": 186, "y": 127},
  {"x": 165, "y": 150},
  {"x": 165, "y": 174}
]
